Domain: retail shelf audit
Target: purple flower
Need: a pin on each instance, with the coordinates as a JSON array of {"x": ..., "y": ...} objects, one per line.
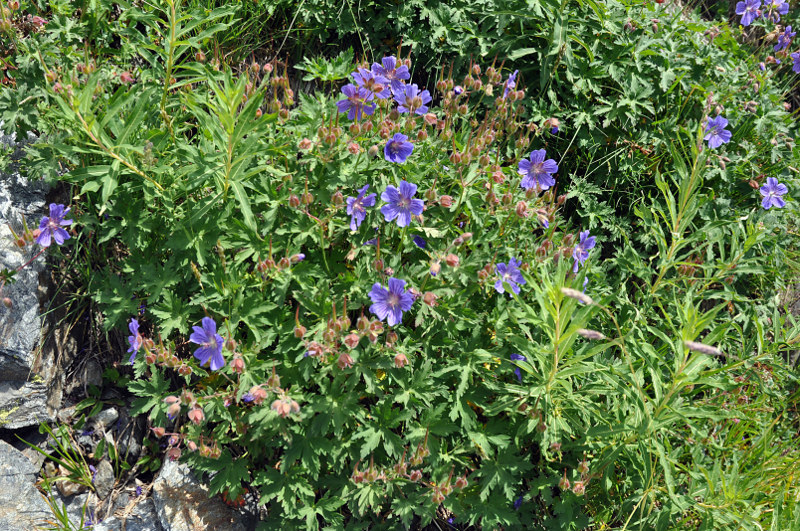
[
  {"x": 389, "y": 69},
  {"x": 398, "y": 149},
  {"x": 581, "y": 251},
  {"x": 716, "y": 134},
  {"x": 249, "y": 397},
  {"x": 748, "y": 10},
  {"x": 554, "y": 130},
  {"x": 390, "y": 304},
  {"x": 401, "y": 203},
  {"x": 536, "y": 172},
  {"x": 785, "y": 38},
  {"x": 93, "y": 470},
  {"x": 518, "y": 357},
  {"x": 510, "y": 274},
  {"x": 356, "y": 102},
  {"x": 210, "y": 344},
  {"x": 796, "y": 59},
  {"x": 375, "y": 83},
  {"x": 761, "y": 67},
  {"x": 458, "y": 89},
  {"x": 138, "y": 490},
  {"x": 50, "y": 227},
  {"x": 772, "y": 192},
  {"x": 356, "y": 207},
  {"x": 373, "y": 242},
  {"x": 774, "y": 10},
  {"x": 518, "y": 503},
  {"x": 411, "y": 99},
  {"x": 511, "y": 83},
  {"x": 135, "y": 340},
  {"x": 419, "y": 242}
]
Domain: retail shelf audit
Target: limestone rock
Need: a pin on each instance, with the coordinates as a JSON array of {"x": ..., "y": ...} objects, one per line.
[
  {"x": 143, "y": 518},
  {"x": 22, "y": 507},
  {"x": 182, "y": 503}
]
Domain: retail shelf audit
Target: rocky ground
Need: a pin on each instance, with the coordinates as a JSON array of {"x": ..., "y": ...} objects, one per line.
[{"x": 46, "y": 369}]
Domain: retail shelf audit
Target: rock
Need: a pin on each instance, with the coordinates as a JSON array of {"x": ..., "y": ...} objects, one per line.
[
  {"x": 105, "y": 418},
  {"x": 182, "y": 503},
  {"x": 22, "y": 507},
  {"x": 130, "y": 436},
  {"x": 32, "y": 436},
  {"x": 104, "y": 479},
  {"x": 31, "y": 347},
  {"x": 67, "y": 488},
  {"x": 78, "y": 506},
  {"x": 143, "y": 518}
]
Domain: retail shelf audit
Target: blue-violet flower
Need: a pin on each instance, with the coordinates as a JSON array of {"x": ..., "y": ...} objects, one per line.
[
  {"x": 390, "y": 303},
  {"x": 716, "y": 134},
  {"x": 51, "y": 227},
  {"x": 581, "y": 251},
  {"x": 210, "y": 344},
  {"x": 401, "y": 203},
  {"x": 411, "y": 99},
  {"x": 135, "y": 340},
  {"x": 389, "y": 69},
  {"x": 356, "y": 207},
  {"x": 537, "y": 171},
  {"x": 356, "y": 102},
  {"x": 748, "y": 10},
  {"x": 398, "y": 148},
  {"x": 785, "y": 39},
  {"x": 510, "y": 274},
  {"x": 518, "y": 357},
  {"x": 772, "y": 192}
]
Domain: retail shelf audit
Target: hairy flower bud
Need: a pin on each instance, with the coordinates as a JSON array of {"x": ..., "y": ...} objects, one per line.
[
  {"x": 237, "y": 365},
  {"x": 452, "y": 260},
  {"x": 158, "y": 431},
  {"x": 196, "y": 415},
  {"x": 400, "y": 360},
  {"x": 461, "y": 482},
  {"x": 429, "y": 298},
  {"x": 563, "y": 484},
  {"x": 579, "y": 488},
  {"x": 294, "y": 201},
  {"x": 344, "y": 361},
  {"x": 436, "y": 266},
  {"x": 351, "y": 340},
  {"x": 446, "y": 201},
  {"x": 7, "y": 302},
  {"x": 522, "y": 209},
  {"x": 415, "y": 475}
]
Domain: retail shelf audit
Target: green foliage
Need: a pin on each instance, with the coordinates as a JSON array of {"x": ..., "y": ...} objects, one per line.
[{"x": 219, "y": 193}]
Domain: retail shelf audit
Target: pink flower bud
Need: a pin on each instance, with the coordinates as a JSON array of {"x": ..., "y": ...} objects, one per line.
[
  {"x": 351, "y": 340},
  {"x": 126, "y": 77},
  {"x": 344, "y": 361},
  {"x": 192, "y": 446},
  {"x": 294, "y": 201},
  {"x": 7, "y": 302},
  {"x": 196, "y": 415},
  {"x": 563, "y": 484},
  {"x": 429, "y": 298},
  {"x": 452, "y": 260},
  {"x": 171, "y": 399},
  {"x": 174, "y": 409},
  {"x": 259, "y": 394},
  {"x": 579, "y": 488},
  {"x": 299, "y": 331},
  {"x": 446, "y": 201},
  {"x": 237, "y": 365},
  {"x": 522, "y": 209},
  {"x": 415, "y": 475},
  {"x": 461, "y": 482},
  {"x": 158, "y": 431},
  {"x": 400, "y": 360},
  {"x": 435, "y": 267}
]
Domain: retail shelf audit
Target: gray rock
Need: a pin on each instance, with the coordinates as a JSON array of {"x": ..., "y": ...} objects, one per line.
[
  {"x": 143, "y": 518},
  {"x": 182, "y": 503},
  {"x": 105, "y": 418},
  {"x": 78, "y": 506},
  {"x": 22, "y": 507},
  {"x": 130, "y": 436},
  {"x": 104, "y": 479},
  {"x": 30, "y": 382}
]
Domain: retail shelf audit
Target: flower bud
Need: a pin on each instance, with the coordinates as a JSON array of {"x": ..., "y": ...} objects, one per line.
[
  {"x": 200, "y": 57},
  {"x": 351, "y": 340},
  {"x": 7, "y": 302},
  {"x": 126, "y": 77},
  {"x": 452, "y": 260},
  {"x": 362, "y": 323},
  {"x": 563, "y": 484},
  {"x": 184, "y": 370},
  {"x": 430, "y": 298},
  {"x": 337, "y": 199},
  {"x": 579, "y": 488},
  {"x": 415, "y": 475},
  {"x": 259, "y": 113},
  {"x": 461, "y": 482},
  {"x": 307, "y": 198},
  {"x": 294, "y": 201},
  {"x": 446, "y": 201},
  {"x": 297, "y": 258},
  {"x": 435, "y": 267},
  {"x": 400, "y": 360},
  {"x": 522, "y": 209},
  {"x": 583, "y": 467},
  {"x": 158, "y": 431},
  {"x": 196, "y": 415},
  {"x": 344, "y": 361},
  {"x": 391, "y": 338},
  {"x": 299, "y": 331},
  {"x": 377, "y": 264},
  {"x": 237, "y": 365},
  {"x": 187, "y": 397},
  {"x": 267, "y": 68}
]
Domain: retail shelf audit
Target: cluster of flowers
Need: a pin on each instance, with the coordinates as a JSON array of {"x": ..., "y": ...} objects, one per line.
[{"x": 716, "y": 134}]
